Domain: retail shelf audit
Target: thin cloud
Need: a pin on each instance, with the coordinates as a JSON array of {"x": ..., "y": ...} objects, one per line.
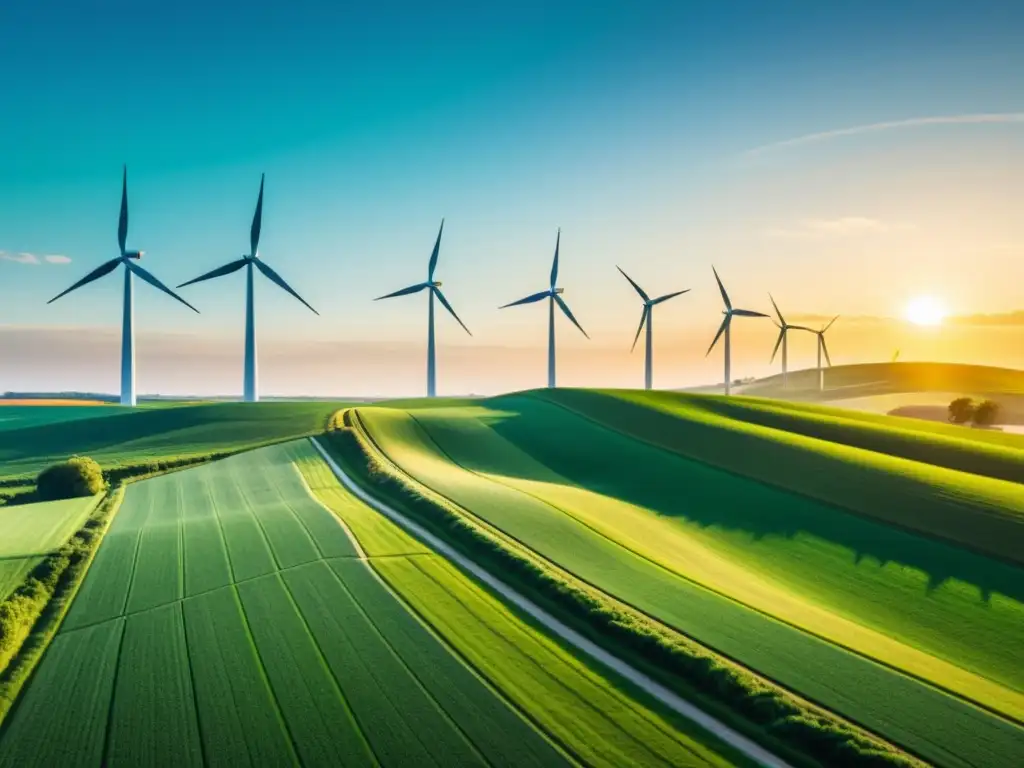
[
  {"x": 31, "y": 258},
  {"x": 1005, "y": 318},
  {"x": 916, "y": 122},
  {"x": 844, "y": 226}
]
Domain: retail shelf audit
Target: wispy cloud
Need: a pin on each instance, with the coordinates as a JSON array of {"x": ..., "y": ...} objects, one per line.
[
  {"x": 1004, "y": 318},
  {"x": 916, "y": 122},
  {"x": 844, "y": 226},
  {"x": 31, "y": 258}
]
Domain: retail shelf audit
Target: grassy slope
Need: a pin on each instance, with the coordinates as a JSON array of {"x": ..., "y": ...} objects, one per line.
[
  {"x": 880, "y": 378},
  {"x": 862, "y": 691},
  {"x": 31, "y": 531},
  {"x": 20, "y": 416},
  {"x": 983, "y": 513},
  {"x": 792, "y": 561},
  {"x": 127, "y": 436}
]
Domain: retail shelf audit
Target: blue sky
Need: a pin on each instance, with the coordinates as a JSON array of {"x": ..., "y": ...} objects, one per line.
[{"x": 629, "y": 125}]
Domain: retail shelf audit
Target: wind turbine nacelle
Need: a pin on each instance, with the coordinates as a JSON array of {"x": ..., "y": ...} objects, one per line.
[
  {"x": 559, "y": 290},
  {"x": 436, "y": 284},
  {"x": 134, "y": 254}
]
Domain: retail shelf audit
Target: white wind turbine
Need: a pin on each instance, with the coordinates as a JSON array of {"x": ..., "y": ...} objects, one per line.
[
  {"x": 646, "y": 319},
  {"x": 725, "y": 327}
]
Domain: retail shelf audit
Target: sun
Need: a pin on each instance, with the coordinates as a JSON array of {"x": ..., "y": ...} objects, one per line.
[{"x": 925, "y": 310}]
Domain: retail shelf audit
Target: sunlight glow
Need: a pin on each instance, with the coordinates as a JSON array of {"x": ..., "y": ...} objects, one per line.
[{"x": 925, "y": 310}]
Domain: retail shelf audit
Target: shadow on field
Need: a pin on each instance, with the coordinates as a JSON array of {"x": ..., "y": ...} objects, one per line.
[{"x": 616, "y": 465}]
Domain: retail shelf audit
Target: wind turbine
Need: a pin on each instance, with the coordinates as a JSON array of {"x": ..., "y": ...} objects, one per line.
[
  {"x": 250, "y": 389},
  {"x": 127, "y": 323},
  {"x": 729, "y": 313},
  {"x": 822, "y": 348},
  {"x": 647, "y": 318},
  {"x": 554, "y": 295},
  {"x": 783, "y": 339},
  {"x": 434, "y": 287}
]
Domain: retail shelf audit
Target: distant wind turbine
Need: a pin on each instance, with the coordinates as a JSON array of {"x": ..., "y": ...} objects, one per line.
[
  {"x": 434, "y": 287},
  {"x": 822, "y": 348},
  {"x": 783, "y": 339},
  {"x": 127, "y": 323},
  {"x": 729, "y": 313},
  {"x": 249, "y": 387},
  {"x": 554, "y": 295},
  {"x": 647, "y": 318}
]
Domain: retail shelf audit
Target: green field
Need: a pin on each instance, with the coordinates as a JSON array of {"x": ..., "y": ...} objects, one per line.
[
  {"x": 122, "y": 436},
  {"x": 779, "y": 578},
  {"x": 228, "y": 620},
  {"x": 31, "y": 531},
  {"x": 21, "y": 416}
]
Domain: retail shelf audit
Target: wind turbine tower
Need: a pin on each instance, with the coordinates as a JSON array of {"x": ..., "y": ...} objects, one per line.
[
  {"x": 434, "y": 287},
  {"x": 128, "y": 259},
  {"x": 554, "y": 296},
  {"x": 823, "y": 348},
  {"x": 250, "y": 386},
  {"x": 646, "y": 319},
  {"x": 725, "y": 328}
]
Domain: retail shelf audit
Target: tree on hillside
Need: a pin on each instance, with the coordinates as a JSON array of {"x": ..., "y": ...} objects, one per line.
[
  {"x": 961, "y": 410},
  {"x": 78, "y": 476},
  {"x": 986, "y": 414}
]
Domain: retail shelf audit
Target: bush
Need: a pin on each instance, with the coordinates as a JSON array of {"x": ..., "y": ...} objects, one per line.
[
  {"x": 961, "y": 410},
  {"x": 986, "y": 414},
  {"x": 78, "y": 476}
]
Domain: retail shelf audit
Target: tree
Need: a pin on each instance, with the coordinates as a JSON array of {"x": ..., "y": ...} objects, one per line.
[
  {"x": 986, "y": 414},
  {"x": 78, "y": 476},
  {"x": 961, "y": 410}
]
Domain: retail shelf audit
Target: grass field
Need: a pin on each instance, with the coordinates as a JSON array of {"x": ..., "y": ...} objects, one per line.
[
  {"x": 120, "y": 436},
  {"x": 18, "y": 415},
  {"x": 31, "y": 531},
  {"x": 767, "y": 576},
  {"x": 227, "y": 620}
]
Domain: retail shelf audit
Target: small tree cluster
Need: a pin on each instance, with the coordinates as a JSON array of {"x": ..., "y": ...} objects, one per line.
[
  {"x": 78, "y": 476},
  {"x": 964, "y": 409}
]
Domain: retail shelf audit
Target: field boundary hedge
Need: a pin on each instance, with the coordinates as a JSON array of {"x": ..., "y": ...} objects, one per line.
[
  {"x": 792, "y": 727},
  {"x": 31, "y": 615}
]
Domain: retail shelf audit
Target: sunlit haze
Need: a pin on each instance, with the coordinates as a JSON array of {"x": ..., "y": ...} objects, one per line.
[{"x": 864, "y": 160}]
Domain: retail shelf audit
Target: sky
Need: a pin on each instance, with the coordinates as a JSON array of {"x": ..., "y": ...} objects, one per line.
[{"x": 847, "y": 157}]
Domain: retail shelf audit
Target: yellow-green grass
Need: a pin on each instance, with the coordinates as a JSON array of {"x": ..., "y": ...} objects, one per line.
[
  {"x": 998, "y": 454},
  {"x": 969, "y": 510},
  {"x": 268, "y": 642},
  {"x": 858, "y": 409},
  {"x": 598, "y": 723},
  {"x": 145, "y": 435},
  {"x": 28, "y": 533},
  {"x": 880, "y": 378},
  {"x": 912, "y": 713}
]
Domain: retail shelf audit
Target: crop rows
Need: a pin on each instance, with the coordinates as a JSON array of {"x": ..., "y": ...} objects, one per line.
[
  {"x": 490, "y": 471},
  {"x": 227, "y": 621}
]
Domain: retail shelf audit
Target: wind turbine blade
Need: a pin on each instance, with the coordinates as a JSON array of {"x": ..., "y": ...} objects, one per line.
[
  {"x": 528, "y": 300},
  {"x": 122, "y": 224},
  {"x": 781, "y": 318},
  {"x": 778, "y": 343},
  {"x": 725, "y": 296},
  {"x": 227, "y": 269},
  {"x": 405, "y": 291},
  {"x": 433, "y": 256},
  {"x": 721, "y": 330},
  {"x": 96, "y": 274},
  {"x": 830, "y": 323},
  {"x": 257, "y": 221},
  {"x": 632, "y": 282},
  {"x": 568, "y": 313},
  {"x": 801, "y": 328},
  {"x": 748, "y": 313},
  {"x": 643, "y": 319},
  {"x": 668, "y": 296},
  {"x": 274, "y": 277},
  {"x": 444, "y": 301},
  {"x": 152, "y": 280},
  {"x": 824, "y": 348},
  {"x": 554, "y": 264}
]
